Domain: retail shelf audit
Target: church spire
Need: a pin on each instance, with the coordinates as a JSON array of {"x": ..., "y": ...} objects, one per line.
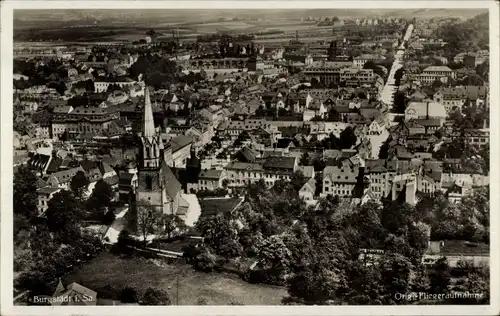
[{"x": 148, "y": 127}]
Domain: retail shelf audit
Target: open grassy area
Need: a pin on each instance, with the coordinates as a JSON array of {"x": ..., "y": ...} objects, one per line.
[{"x": 109, "y": 273}]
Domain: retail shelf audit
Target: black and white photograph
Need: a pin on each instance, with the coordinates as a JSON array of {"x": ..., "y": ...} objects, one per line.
[{"x": 250, "y": 156}]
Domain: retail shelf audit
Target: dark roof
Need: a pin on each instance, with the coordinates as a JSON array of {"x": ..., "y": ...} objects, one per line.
[
  {"x": 39, "y": 161},
  {"x": 210, "y": 174},
  {"x": 246, "y": 154},
  {"x": 87, "y": 165},
  {"x": 291, "y": 131},
  {"x": 54, "y": 165},
  {"x": 113, "y": 180},
  {"x": 180, "y": 142},
  {"x": 47, "y": 190},
  {"x": 213, "y": 206},
  {"x": 284, "y": 142},
  {"x": 279, "y": 162}
]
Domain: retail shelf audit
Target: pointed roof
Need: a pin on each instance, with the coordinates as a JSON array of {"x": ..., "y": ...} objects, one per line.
[
  {"x": 59, "y": 289},
  {"x": 148, "y": 127}
]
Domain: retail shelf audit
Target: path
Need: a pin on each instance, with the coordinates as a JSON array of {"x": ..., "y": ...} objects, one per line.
[
  {"x": 118, "y": 224},
  {"x": 387, "y": 96}
]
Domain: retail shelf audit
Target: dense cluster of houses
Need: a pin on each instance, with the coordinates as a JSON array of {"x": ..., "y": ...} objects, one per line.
[{"x": 250, "y": 118}]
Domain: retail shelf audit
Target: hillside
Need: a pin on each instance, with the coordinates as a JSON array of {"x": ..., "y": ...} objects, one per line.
[
  {"x": 34, "y": 18},
  {"x": 470, "y": 35}
]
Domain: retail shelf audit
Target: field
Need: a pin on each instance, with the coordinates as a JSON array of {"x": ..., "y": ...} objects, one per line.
[
  {"x": 110, "y": 273},
  {"x": 187, "y": 31}
]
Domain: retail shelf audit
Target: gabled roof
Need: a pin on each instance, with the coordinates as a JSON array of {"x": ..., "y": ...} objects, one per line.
[
  {"x": 180, "y": 142},
  {"x": 211, "y": 174},
  {"x": 81, "y": 295},
  {"x": 66, "y": 175},
  {"x": 341, "y": 175},
  {"x": 309, "y": 186},
  {"x": 280, "y": 162},
  {"x": 307, "y": 171},
  {"x": 171, "y": 184},
  {"x": 39, "y": 161}
]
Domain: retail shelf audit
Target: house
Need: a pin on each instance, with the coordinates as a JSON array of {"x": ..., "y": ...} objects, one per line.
[
  {"x": 246, "y": 154},
  {"x": 308, "y": 190},
  {"x": 181, "y": 150},
  {"x": 207, "y": 180},
  {"x": 339, "y": 180},
  {"x": 102, "y": 84},
  {"x": 62, "y": 179},
  {"x": 93, "y": 175},
  {"x": 127, "y": 183},
  {"x": 42, "y": 123},
  {"x": 45, "y": 194},
  {"x": 455, "y": 98},
  {"x": 376, "y": 127},
  {"x": 432, "y": 73},
  {"x": 425, "y": 110},
  {"x": 317, "y": 106},
  {"x": 73, "y": 294},
  {"x": 40, "y": 163},
  {"x": 380, "y": 173},
  {"x": 360, "y": 61},
  {"x": 307, "y": 171}
]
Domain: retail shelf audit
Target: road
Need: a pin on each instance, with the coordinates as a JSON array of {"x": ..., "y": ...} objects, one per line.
[
  {"x": 387, "y": 95},
  {"x": 117, "y": 226}
]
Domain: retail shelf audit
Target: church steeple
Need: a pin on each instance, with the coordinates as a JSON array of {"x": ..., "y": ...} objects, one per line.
[
  {"x": 148, "y": 125},
  {"x": 150, "y": 153}
]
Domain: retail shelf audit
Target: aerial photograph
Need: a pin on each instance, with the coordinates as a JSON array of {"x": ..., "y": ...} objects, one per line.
[{"x": 251, "y": 157}]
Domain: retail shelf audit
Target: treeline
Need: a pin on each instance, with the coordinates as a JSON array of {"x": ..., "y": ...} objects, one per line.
[
  {"x": 48, "y": 247},
  {"x": 471, "y": 35},
  {"x": 316, "y": 253},
  {"x": 225, "y": 38},
  {"x": 67, "y": 34}
]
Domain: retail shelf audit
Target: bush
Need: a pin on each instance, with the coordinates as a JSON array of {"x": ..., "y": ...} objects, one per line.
[
  {"x": 154, "y": 296},
  {"x": 206, "y": 260},
  {"x": 109, "y": 218},
  {"x": 128, "y": 295}
]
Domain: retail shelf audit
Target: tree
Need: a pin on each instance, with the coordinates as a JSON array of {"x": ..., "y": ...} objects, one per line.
[
  {"x": 202, "y": 301},
  {"x": 297, "y": 181},
  {"x": 398, "y": 75},
  {"x": 63, "y": 216},
  {"x": 148, "y": 219},
  {"x": 274, "y": 256},
  {"x": 171, "y": 223},
  {"x": 400, "y": 102},
  {"x": 123, "y": 239},
  {"x": 347, "y": 138},
  {"x": 129, "y": 295},
  {"x": 395, "y": 273},
  {"x": 436, "y": 84},
  {"x": 25, "y": 196},
  {"x": 79, "y": 184},
  {"x": 315, "y": 284},
  {"x": 396, "y": 217},
  {"x": 220, "y": 233},
  {"x": 305, "y": 159},
  {"x": 103, "y": 192},
  {"x": 155, "y": 296},
  {"x": 440, "y": 277},
  {"x": 202, "y": 257}
]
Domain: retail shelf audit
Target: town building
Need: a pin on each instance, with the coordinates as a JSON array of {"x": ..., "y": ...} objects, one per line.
[{"x": 157, "y": 184}]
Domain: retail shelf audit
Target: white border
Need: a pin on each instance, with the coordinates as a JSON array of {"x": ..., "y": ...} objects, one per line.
[{"x": 6, "y": 302}]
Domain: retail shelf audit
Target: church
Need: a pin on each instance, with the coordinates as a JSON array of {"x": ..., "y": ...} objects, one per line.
[{"x": 157, "y": 184}]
